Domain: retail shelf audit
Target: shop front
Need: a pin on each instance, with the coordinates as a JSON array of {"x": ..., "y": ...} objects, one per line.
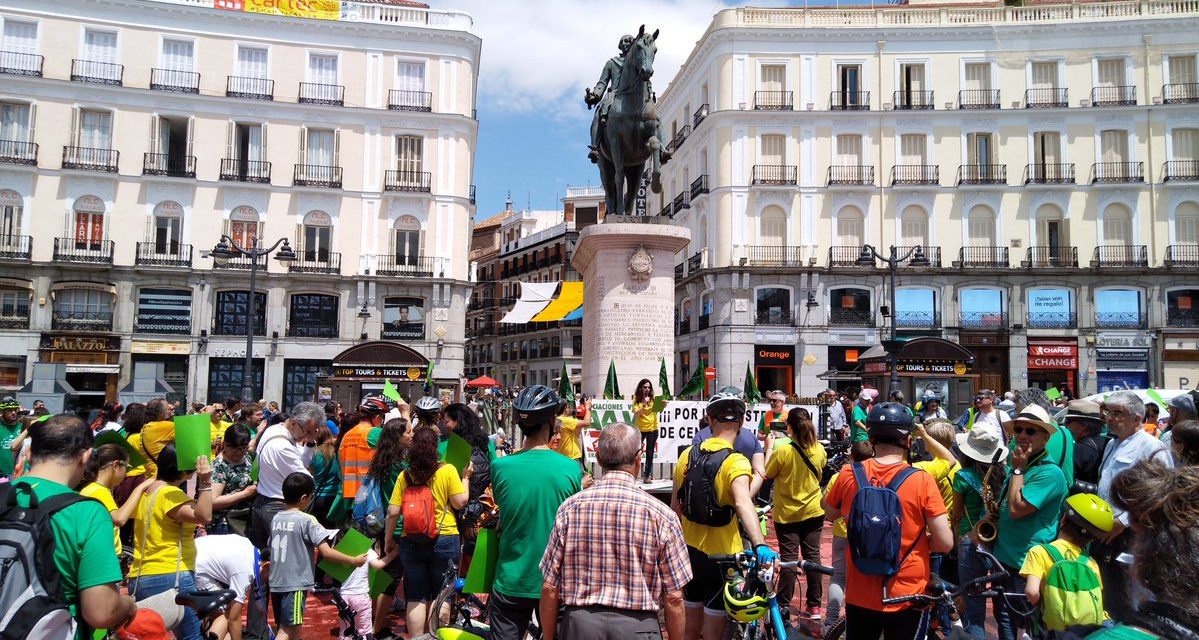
[
  {"x": 926, "y": 366},
  {"x": 1180, "y": 360},
  {"x": 845, "y": 369},
  {"x": 774, "y": 367},
  {"x": 173, "y": 355},
  {"x": 1052, "y": 362},
  {"x": 92, "y": 365},
  {"x": 1122, "y": 360},
  {"x": 364, "y": 369},
  {"x": 990, "y": 350}
]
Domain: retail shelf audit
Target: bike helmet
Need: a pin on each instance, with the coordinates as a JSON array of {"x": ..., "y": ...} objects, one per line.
[
  {"x": 1090, "y": 513},
  {"x": 742, "y": 603},
  {"x": 373, "y": 406},
  {"x": 728, "y": 405},
  {"x": 536, "y": 402},
  {"x": 427, "y": 406},
  {"x": 890, "y": 423},
  {"x": 10, "y": 404}
]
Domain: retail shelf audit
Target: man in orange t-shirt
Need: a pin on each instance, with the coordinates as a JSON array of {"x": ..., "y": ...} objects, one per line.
[{"x": 925, "y": 530}]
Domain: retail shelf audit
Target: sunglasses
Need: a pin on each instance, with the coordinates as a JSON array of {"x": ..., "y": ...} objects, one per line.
[
  {"x": 776, "y": 401},
  {"x": 1028, "y": 431}
]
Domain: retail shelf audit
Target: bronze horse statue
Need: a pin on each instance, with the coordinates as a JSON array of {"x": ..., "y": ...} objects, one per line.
[{"x": 631, "y": 133}]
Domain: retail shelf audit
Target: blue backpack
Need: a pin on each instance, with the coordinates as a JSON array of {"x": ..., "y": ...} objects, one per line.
[
  {"x": 370, "y": 513},
  {"x": 875, "y": 524}
]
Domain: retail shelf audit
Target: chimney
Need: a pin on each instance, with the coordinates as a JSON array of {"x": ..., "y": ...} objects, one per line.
[{"x": 508, "y": 202}]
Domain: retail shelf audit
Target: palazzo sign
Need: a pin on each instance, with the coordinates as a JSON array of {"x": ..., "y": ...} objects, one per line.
[{"x": 53, "y": 342}]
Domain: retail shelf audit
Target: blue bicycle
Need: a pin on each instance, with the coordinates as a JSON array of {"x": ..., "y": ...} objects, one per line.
[{"x": 750, "y": 597}]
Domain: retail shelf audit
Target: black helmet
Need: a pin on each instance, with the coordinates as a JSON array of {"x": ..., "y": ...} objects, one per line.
[
  {"x": 373, "y": 406},
  {"x": 537, "y": 401},
  {"x": 427, "y": 407},
  {"x": 728, "y": 405},
  {"x": 890, "y": 423}
]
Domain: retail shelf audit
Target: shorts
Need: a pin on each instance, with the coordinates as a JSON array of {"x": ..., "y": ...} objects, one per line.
[
  {"x": 289, "y": 607},
  {"x": 706, "y": 588}
]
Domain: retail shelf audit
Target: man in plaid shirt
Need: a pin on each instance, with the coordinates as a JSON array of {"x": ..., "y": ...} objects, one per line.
[{"x": 614, "y": 554}]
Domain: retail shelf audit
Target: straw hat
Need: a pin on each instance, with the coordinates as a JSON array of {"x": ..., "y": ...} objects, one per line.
[
  {"x": 984, "y": 443},
  {"x": 1034, "y": 415},
  {"x": 1083, "y": 410}
]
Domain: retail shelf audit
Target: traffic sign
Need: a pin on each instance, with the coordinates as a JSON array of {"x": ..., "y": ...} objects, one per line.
[{"x": 710, "y": 373}]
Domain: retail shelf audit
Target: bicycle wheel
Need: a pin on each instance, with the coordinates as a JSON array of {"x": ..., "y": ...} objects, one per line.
[
  {"x": 443, "y": 611},
  {"x": 836, "y": 631}
]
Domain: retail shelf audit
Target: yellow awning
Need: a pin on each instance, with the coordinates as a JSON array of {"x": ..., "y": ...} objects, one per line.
[{"x": 570, "y": 299}]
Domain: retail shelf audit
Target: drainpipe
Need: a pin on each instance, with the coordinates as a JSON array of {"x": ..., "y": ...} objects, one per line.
[
  {"x": 1154, "y": 367},
  {"x": 881, "y": 116}
]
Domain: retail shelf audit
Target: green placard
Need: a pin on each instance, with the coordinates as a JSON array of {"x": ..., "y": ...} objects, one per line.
[
  {"x": 482, "y": 567},
  {"x": 378, "y": 581},
  {"x": 457, "y": 452},
  {"x": 389, "y": 390},
  {"x": 111, "y": 436},
  {"x": 193, "y": 438},
  {"x": 352, "y": 544},
  {"x": 659, "y": 404},
  {"x": 1052, "y": 393}
]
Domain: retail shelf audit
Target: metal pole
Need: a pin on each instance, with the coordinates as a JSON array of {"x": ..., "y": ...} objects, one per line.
[
  {"x": 891, "y": 355},
  {"x": 247, "y": 382}
]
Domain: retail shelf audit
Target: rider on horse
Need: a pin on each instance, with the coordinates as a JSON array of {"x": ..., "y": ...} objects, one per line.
[{"x": 600, "y": 95}]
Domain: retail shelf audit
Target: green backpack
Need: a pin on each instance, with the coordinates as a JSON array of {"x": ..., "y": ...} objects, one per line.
[{"x": 1071, "y": 594}]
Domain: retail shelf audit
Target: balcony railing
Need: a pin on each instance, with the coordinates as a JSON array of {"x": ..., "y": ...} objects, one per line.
[
  {"x": 392, "y": 265},
  {"x": 844, "y": 256},
  {"x": 683, "y": 327},
  {"x": 1051, "y": 320},
  {"x": 18, "y": 152},
  {"x": 15, "y": 247},
  {"x": 14, "y": 321},
  {"x": 695, "y": 262},
  {"x": 982, "y": 257},
  {"x": 89, "y": 159},
  {"x": 237, "y": 170},
  {"x": 316, "y": 262},
  {"x": 667, "y": 210},
  {"x": 682, "y": 201},
  {"x": 1046, "y": 98},
  {"x": 1180, "y": 93},
  {"x": 1107, "y": 172},
  {"x": 912, "y": 100},
  {"x": 1051, "y": 173},
  {"x": 774, "y": 101},
  {"x": 775, "y": 174},
  {"x": 680, "y": 270},
  {"x": 700, "y": 114},
  {"x": 174, "y": 80},
  {"x": 978, "y": 99},
  {"x": 73, "y": 250},
  {"x": 1050, "y": 257},
  {"x": 969, "y": 174},
  {"x": 405, "y": 100},
  {"x": 1121, "y": 320},
  {"x": 1176, "y": 317},
  {"x": 97, "y": 72},
  {"x": 1181, "y": 170},
  {"x": 774, "y": 256},
  {"x": 408, "y": 181},
  {"x": 915, "y": 174},
  {"x": 317, "y": 93},
  {"x": 163, "y": 254},
  {"x": 16, "y": 63},
  {"x": 81, "y": 321},
  {"x": 774, "y": 317},
  {"x": 251, "y": 88},
  {"x": 317, "y": 175},
  {"x": 705, "y": 320},
  {"x": 1182, "y": 255},
  {"x": 849, "y": 100},
  {"x": 932, "y": 253},
  {"x": 983, "y": 319},
  {"x": 841, "y": 317},
  {"x": 1120, "y": 255},
  {"x": 1113, "y": 96},
  {"x": 699, "y": 186},
  {"x": 312, "y": 329},
  {"x": 167, "y": 164},
  {"x": 862, "y": 175},
  {"x": 917, "y": 319}
]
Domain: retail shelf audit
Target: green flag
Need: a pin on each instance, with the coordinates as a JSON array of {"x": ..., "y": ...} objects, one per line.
[
  {"x": 696, "y": 383},
  {"x": 664, "y": 380},
  {"x": 429, "y": 390},
  {"x": 752, "y": 395},
  {"x": 611, "y": 386},
  {"x": 390, "y": 391},
  {"x": 566, "y": 390}
]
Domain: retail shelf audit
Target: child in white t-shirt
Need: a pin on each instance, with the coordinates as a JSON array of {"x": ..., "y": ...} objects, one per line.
[{"x": 355, "y": 592}]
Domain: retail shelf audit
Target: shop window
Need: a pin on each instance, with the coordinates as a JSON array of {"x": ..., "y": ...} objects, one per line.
[
  {"x": 82, "y": 310},
  {"x": 1051, "y": 308},
  {"x": 983, "y": 308},
  {"x": 299, "y": 380},
  {"x": 232, "y": 307},
  {"x": 916, "y": 308},
  {"x": 1119, "y": 309},
  {"x": 225, "y": 378},
  {"x": 14, "y": 308},
  {"x": 850, "y": 307},
  {"x": 313, "y": 316},
  {"x": 164, "y": 311},
  {"x": 404, "y": 318},
  {"x": 1182, "y": 308},
  {"x": 773, "y": 306}
]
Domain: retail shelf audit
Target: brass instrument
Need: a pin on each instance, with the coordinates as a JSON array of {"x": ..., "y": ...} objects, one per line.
[{"x": 986, "y": 530}]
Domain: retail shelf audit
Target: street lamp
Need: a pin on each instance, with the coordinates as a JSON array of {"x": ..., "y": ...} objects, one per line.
[
  {"x": 228, "y": 248},
  {"x": 914, "y": 257}
]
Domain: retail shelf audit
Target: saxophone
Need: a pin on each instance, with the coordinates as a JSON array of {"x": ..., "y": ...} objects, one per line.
[{"x": 986, "y": 530}]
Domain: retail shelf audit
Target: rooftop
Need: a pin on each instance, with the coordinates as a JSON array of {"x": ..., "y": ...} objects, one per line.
[{"x": 385, "y": 12}]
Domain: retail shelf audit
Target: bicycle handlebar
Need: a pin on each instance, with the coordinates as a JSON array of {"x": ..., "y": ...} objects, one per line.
[{"x": 803, "y": 565}]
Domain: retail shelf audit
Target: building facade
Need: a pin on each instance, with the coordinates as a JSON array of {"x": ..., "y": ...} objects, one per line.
[
  {"x": 1044, "y": 158},
  {"x": 136, "y": 133}
]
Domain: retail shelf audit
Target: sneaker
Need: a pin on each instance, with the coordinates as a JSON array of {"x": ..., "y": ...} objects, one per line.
[{"x": 813, "y": 612}]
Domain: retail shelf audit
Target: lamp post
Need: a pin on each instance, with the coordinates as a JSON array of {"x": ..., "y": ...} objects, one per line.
[
  {"x": 916, "y": 258},
  {"x": 228, "y": 248}
]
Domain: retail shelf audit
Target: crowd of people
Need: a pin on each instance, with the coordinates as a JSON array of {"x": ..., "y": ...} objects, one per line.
[{"x": 1101, "y": 492}]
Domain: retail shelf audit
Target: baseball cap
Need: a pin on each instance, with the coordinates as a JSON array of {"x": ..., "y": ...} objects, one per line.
[{"x": 1185, "y": 402}]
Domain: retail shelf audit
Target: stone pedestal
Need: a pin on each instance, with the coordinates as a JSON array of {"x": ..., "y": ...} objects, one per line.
[{"x": 628, "y": 301}]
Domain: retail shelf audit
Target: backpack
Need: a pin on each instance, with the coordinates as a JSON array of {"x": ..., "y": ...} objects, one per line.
[
  {"x": 418, "y": 510},
  {"x": 1071, "y": 593},
  {"x": 369, "y": 514},
  {"x": 875, "y": 524},
  {"x": 32, "y": 604},
  {"x": 697, "y": 492}
]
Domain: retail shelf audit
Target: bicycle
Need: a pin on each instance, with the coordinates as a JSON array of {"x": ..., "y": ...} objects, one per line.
[
  {"x": 772, "y": 626},
  {"x": 948, "y": 595},
  {"x": 454, "y": 615}
]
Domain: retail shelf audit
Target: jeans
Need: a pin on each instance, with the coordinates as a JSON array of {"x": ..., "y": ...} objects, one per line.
[
  {"x": 970, "y": 566},
  {"x": 795, "y": 537},
  {"x": 940, "y": 613},
  {"x": 425, "y": 564},
  {"x": 836, "y": 586},
  {"x": 510, "y": 615},
  {"x": 146, "y": 586},
  {"x": 868, "y": 624},
  {"x": 651, "y": 442},
  {"x": 1008, "y": 615}
]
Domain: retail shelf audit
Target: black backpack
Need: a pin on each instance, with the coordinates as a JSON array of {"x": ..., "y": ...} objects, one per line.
[
  {"x": 32, "y": 604},
  {"x": 697, "y": 493}
]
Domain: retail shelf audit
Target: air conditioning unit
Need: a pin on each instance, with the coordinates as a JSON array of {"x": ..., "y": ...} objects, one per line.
[
  {"x": 741, "y": 106},
  {"x": 886, "y": 106},
  {"x": 948, "y": 105},
  {"x": 811, "y": 106},
  {"x": 1017, "y": 243},
  {"x": 1157, "y": 100},
  {"x": 1015, "y": 104},
  {"x": 1084, "y": 103}
]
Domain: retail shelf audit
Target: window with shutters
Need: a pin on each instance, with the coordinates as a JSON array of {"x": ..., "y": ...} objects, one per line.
[
  {"x": 319, "y": 149},
  {"x": 1047, "y": 147},
  {"x": 913, "y": 226},
  {"x": 851, "y": 227},
  {"x": 232, "y": 309},
  {"x": 913, "y": 149},
  {"x": 316, "y": 242},
  {"x": 313, "y": 316},
  {"x": 912, "y": 85},
  {"x": 95, "y": 129},
  {"x": 1111, "y": 72},
  {"x": 245, "y": 153},
  {"x": 774, "y": 150},
  {"x": 171, "y": 147},
  {"x": 1184, "y": 145},
  {"x": 406, "y": 241},
  {"x": 87, "y": 223},
  {"x": 980, "y": 227},
  {"x": 11, "y": 206},
  {"x": 410, "y": 154},
  {"x": 168, "y": 228},
  {"x": 849, "y": 79},
  {"x": 1186, "y": 223},
  {"x": 978, "y": 76},
  {"x": 244, "y": 225},
  {"x": 849, "y": 150},
  {"x": 322, "y": 68},
  {"x": 772, "y": 88},
  {"x": 979, "y": 148},
  {"x": 1117, "y": 225},
  {"x": 410, "y": 76},
  {"x": 18, "y": 48},
  {"x": 16, "y": 132},
  {"x": 100, "y": 46},
  {"x": 774, "y": 227},
  {"x": 773, "y": 77},
  {"x": 1044, "y": 75},
  {"x": 178, "y": 55},
  {"x": 14, "y": 308},
  {"x": 1113, "y": 145},
  {"x": 252, "y": 62},
  {"x": 83, "y": 309}
]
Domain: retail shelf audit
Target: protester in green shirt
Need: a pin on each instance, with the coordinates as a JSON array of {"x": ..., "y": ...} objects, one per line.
[
  {"x": 10, "y": 428},
  {"x": 857, "y": 425},
  {"x": 1060, "y": 448}
]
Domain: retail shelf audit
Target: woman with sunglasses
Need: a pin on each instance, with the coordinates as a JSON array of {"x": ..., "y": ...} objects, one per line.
[
  {"x": 105, "y": 470},
  {"x": 646, "y": 421}
]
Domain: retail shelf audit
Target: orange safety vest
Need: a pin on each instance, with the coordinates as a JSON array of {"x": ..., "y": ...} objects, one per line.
[{"x": 355, "y": 456}]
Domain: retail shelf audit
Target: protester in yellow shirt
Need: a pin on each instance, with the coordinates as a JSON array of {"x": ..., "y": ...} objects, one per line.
[
  {"x": 646, "y": 421},
  {"x": 1085, "y": 517},
  {"x": 158, "y": 432},
  {"x": 105, "y": 470},
  {"x": 570, "y": 429},
  {"x": 938, "y": 440}
]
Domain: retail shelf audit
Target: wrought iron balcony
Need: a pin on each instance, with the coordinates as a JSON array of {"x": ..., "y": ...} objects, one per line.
[
  {"x": 16, "y": 63},
  {"x": 402, "y": 265},
  {"x": 683, "y": 326},
  {"x": 699, "y": 186},
  {"x": 97, "y": 72},
  {"x": 1121, "y": 320},
  {"x": 312, "y": 329},
  {"x": 912, "y": 100},
  {"x": 1050, "y": 257},
  {"x": 317, "y": 93},
  {"x": 841, "y": 317},
  {"x": 73, "y": 250},
  {"x": 81, "y": 321},
  {"x": 250, "y": 88},
  {"x": 317, "y": 175},
  {"x": 915, "y": 174},
  {"x": 18, "y": 152},
  {"x": 695, "y": 262},
  {"x": 849, "y": 100},
  {"x": 1182, "y": 255},
  {"x": 1180, "y": 93},
  {"x": 316, "y": 262},
  {"x": 408, "y": 181},
  {"x": 15, "y": 321},
  {"x": 1113, "y": 96},
  {"x": 240, "y": 263},
  {"x": 857, "y": 175},
  {"x": 1176, "y": 317},
  {"x": 681, "y": 137},
  {"x": 405, "y": 100},
  {"x": 984, "y": 319},
  {"x": 89, "y": 159},
  {"x": 682, "y": 201},
  {"x": 844, "y": 256},
  {"x": 238, "y": 170},
  {"x": 705, "y": 320},
  {"x": 978, "y": 99},
  {"x": 174, "y": 80},
  {"x": 982, "y": 257},
  {"x": 774, "y": 256},
  {"x": 1049, "y": 173},
  {"x": 1108, "y": 172},
  {"x": 932, "y": 253},
  {"x": 774, "y": 317},
  {"x": 974, "y": 174},
  {"x": 1120, "y": 256},
  {"x": 168, "y": 164},
  {"x": 1052, "y": 97},
  {"x": 700, "y": 114},
  {"x": 667, "y": 210},
  {"x": 774, "y": 101},
  {"x": 680, "y": 270},
  {"x": 775, "y": 174},
  {"x": 1051, "y": 320},
  {"x": 163, "y": 254},
  {"x": 1181, "y": 170},
  {"x": 918, "y": 319},
  {"x": 15, "y": 247}
]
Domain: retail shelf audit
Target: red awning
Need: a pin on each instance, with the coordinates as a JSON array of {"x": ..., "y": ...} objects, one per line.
[{"x": 483, "y": 381}]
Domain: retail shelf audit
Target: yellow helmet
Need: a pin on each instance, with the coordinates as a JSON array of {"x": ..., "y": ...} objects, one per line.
[
  {"x": 1090, "y": 513},
  {"x": 742, "y": 604},
  {"x": 457, "y": 634}
]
